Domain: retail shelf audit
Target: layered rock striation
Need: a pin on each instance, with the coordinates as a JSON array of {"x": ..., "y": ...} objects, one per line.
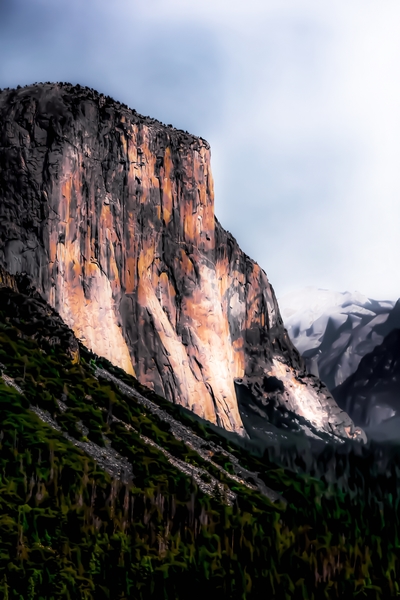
[{"x": 111, "y": 215}]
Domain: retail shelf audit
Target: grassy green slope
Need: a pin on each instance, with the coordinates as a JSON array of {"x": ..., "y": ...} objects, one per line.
[{"x": 70, "y": 528}]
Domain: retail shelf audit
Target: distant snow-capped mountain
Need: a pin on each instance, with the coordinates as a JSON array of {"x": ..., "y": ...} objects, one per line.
[
  {"x": 334, "y": 330},
  {"x": 371, "y": 395}
]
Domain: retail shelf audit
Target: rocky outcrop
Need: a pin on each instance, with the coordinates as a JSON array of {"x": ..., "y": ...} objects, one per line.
[{"x": 112, "y": 217}]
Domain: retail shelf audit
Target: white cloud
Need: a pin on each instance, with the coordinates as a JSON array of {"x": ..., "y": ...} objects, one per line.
[{"x": 300, "y": 100}]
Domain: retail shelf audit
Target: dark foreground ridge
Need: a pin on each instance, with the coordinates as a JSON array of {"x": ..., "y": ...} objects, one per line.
[{"x": 109, "y": 491}]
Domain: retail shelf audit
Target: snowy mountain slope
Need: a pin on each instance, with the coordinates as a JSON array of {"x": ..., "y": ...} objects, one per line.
[
  {"x": 334, "y": 330},
  {"x": 371, "y": 395}
]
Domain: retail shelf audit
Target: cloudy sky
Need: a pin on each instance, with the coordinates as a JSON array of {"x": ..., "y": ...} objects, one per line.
[{"x": 300, "y": 100}]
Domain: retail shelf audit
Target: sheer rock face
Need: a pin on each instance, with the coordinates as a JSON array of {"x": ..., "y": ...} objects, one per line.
[{"x": 112, "y": 217}]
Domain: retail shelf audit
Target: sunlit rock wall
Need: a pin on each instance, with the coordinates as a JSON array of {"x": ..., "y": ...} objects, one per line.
[{"x": 112, "y": 216}]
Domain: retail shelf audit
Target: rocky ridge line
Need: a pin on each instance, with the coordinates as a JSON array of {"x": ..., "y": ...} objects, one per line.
[{"x": 204, "y": 448}]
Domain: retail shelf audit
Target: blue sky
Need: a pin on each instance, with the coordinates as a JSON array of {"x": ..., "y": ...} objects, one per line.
[{"x": 300, "y": 100}]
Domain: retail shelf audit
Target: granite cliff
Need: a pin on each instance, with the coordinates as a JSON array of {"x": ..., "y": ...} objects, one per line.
[{"x": 111, "y": 216}]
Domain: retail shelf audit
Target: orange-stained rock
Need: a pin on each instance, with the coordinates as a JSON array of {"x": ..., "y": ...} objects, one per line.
[{"x": 112, "y": 216}]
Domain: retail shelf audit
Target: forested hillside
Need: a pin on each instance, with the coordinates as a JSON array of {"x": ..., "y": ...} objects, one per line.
[{"x": 109, "y": 491}]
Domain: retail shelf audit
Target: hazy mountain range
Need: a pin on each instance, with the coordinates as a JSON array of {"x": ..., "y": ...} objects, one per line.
[
  {"x": 334, "y": 330},
  {"x": 352, "y": 343},
  {"x": 372, "y": 394}
]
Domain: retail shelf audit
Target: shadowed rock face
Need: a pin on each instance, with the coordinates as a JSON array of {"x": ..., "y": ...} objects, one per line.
[
  {"x": 371, "y": 395},
  {"x": 112, "y": 217}
]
